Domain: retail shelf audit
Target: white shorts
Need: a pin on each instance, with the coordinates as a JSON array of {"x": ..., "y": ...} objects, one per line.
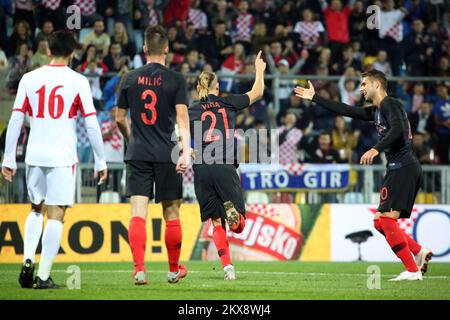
[{"x": 54, "y": 186}]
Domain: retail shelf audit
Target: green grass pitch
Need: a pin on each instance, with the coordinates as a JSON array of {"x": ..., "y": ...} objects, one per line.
[{"x": 256, "y": 281}]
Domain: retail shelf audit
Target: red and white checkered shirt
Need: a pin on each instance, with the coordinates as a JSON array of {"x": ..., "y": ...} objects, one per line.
[
  {"x": 198, "y": 18},
  {"x": 51, "y": 4},
  {"x": 391, "y": 25},
  {"x": 153, "y": 18},
  {"x": 87, "y": 7},
  {"x": 309, "y": 31},
  {"x": 82, "y": 136},
  {"x": 243, "y": 27},
  {"x": 288, "y": 149}
]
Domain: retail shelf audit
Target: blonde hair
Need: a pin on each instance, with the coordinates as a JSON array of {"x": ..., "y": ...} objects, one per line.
[{"x": 206, "y": 81}]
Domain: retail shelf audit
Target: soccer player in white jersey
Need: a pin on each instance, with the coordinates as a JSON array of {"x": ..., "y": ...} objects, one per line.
[{"x": 53, "y": 96}]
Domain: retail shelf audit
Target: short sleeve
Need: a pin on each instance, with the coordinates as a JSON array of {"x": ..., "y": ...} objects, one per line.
[
  {"x": 239, "y": 101},
  {"x": 181, "y": 94},
  {"x": 22, "y": 103},
  {"x": 122, "y": 100}
]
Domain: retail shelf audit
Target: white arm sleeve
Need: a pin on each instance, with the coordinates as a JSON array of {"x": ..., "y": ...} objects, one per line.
[
  {"x": 12, "y": 135},
  {"x": 95, "y": 137}
]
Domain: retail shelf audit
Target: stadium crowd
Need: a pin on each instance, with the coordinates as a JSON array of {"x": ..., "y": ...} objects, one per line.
[{"x": 302, "y": 37}]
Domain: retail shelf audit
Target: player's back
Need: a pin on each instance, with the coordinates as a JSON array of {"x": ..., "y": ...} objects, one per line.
[
  {"x": 216, "y": 117},
  {"x": 52, "y": 96},
  {"x": 152, "y": 93}
]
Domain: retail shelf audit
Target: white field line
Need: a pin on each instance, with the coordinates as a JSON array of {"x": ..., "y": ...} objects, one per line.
[{"x": 277, "y": 273}]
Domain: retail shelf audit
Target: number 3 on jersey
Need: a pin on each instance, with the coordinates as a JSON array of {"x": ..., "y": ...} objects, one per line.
[{"x": 149, "y": 106}]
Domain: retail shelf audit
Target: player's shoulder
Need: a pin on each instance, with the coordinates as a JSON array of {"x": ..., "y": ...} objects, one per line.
[{"x": 391, "y": 102}]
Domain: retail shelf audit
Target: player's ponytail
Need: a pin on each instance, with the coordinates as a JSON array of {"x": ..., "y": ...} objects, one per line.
[{"x": 206, "y": 81}]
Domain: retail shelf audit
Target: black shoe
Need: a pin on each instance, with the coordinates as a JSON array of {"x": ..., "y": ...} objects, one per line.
[
  {"x": 26, "y": 274},
  {"x": 47, "y": 284}
]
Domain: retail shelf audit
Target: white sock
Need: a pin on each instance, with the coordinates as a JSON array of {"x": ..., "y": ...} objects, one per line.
[
  {"x": 51, "y": 241},
  {"x": 33, "y": 231}
]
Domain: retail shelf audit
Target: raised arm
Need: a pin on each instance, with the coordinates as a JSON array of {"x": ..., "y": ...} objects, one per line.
[
  {"x": 257, "y": 90},
  {"x": 334, "y": 106}
]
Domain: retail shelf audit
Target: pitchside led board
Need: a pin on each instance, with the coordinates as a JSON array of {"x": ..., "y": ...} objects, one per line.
[{"x": 98, "y": 232}]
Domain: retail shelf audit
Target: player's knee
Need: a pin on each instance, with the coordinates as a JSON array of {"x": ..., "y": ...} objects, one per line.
[
  {"x": 38, "y": 208},
  {"x": 171, "y": 209}
]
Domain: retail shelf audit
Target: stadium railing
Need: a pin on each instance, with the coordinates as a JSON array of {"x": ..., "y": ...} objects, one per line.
[{"x": 363, "y": 187}]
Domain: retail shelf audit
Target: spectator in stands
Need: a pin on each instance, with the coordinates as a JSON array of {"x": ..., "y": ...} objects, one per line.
[
  {"x": 196, "y": 17},
  {"x": 357, "y": 21},
  {"x": 46, "y": 29},
  {"x": 193, "y": 61},
  {"x": 234, "y": 64},
  {"x": 21, "y": 34},
  {"x": 289, "y": 137},
  {"x": 422, "y": 120},
  {"x": 348, "y": 88},
  {"x": 285, "y": 15},
  {"x": 120, "y": 36},
  {"x": 19, "y": 65},
  {"x": 391, "y": 34},
  {"x": 343, "y": 141},
  {"x": 261, "y": 39},
  {"x": 117, "y": 10},
  {"x": 91, "y": 56},
  {"x": 220, "y": 10},
  {"x": 114, "y": 146},
  {"x": 98, "y": 37},
  {"x": 146, "y": 14},
  {"x": 419, "y": 49},
  {"x": 417, "y": 98},
  {"x": 443, "y": 67},
  {"x": 243, "y": 26},
  {"x": 177, "y": 46},
  {"x": 441, "y": 112},
  {"x": 324, "y": 152},
  {"x": 53, "y": 10},
  {"x": 217, "y": 46},
  {"x": 302, "y": 110},
  {"x": 336, "y": 20},
  {"x": 88, "y": 9},
  {"x": 176, "y": 11},
  {"x": 23, "y": 10},
  {"x": 191, "y": 38},
  {"x": 6, "y": 9},
  {"x": 382, "y": 64},
  {"x": 423, "y": 152},
  {"x": 311, "y": 32},
  {"x": 40, "y": 58},
  {"x": 347, "y": 60},
  {"x": 323, "y": 119},
  {"x": 115, "y": 60}
]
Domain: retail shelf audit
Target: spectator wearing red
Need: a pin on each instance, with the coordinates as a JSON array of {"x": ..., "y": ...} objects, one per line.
[
  {"x": 336, "y": 19},
  {"x": 91, "y": 56},
  {"x": 176, "y": 10}
]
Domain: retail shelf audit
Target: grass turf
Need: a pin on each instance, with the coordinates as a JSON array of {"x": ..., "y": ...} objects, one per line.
[{"x": 256, "y": 281}]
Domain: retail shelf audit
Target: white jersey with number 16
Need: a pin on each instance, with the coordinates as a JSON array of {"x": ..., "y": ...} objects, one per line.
[{"x": 53, "y": 96}]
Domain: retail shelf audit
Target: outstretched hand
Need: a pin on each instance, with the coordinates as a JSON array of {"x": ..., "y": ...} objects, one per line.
[
  {"x": 260, "y": 65},
  {"x": 305, "y": 93}
]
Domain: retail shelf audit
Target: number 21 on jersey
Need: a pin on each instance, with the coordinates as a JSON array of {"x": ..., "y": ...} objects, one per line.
[{"x": 209, "y": 136}]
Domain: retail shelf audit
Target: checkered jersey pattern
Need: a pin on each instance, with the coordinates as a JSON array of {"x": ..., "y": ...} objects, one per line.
[
  {"x": 288, "y": 149},
  {"x": 197, "y": 18},
  {"x": 51, "y": 4},
  {"x": 87, "y": 7},
  {"x": 309, "y": 31},
  {"x": 153, "y": 18},
  {"x": 115, "y": 140},
  {"x": 244, "y": 27}
]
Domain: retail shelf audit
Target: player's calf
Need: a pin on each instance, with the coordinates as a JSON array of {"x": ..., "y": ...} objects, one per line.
[{"x": 235, "y": 220}]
